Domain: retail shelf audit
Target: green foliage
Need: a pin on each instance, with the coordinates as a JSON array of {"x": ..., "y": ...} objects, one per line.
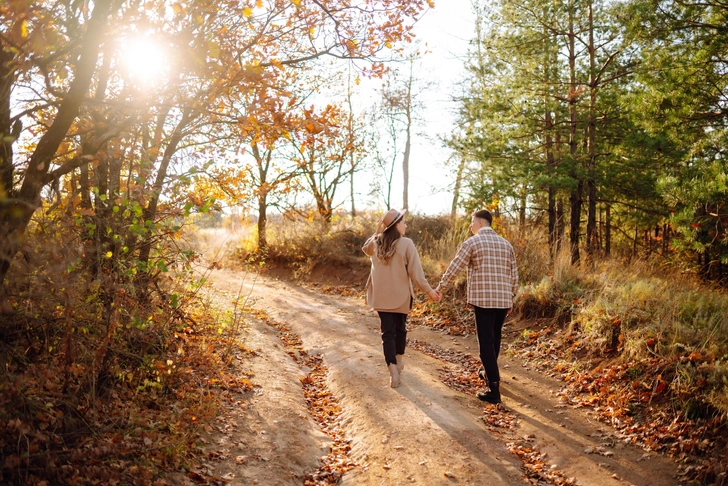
[
  {"x": 699, "y": 206},
  {"x": 679, "y": 95}
]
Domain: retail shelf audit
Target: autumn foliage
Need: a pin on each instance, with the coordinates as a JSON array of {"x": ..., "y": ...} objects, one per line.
[{"x": 104, "y": 156}]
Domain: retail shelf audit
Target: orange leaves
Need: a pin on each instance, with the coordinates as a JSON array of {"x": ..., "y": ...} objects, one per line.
[{"x": 322, "y": 404}]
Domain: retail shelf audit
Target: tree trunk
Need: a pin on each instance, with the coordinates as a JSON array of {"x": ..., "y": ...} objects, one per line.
[
  {"x": 262, "y": 222},
  {"x": 150, "y": 212},
  {"x": 522, "y": 214},
  {"x": 549, "y": 148},
  {"x": 591, "y": 219},
  {"x": 552, "y": 221},
  {"x": 456, "y": 190},
  {"x": 408, "y": 141},
  {"x": 352, "y": 152},
  {"x": 16, "y": 214},
  {"x": 351, "y": 188},
  {"x": 405, "y": 167},
  {"x": 576, "y": 192},
  {"x": 7, "y": 134}
]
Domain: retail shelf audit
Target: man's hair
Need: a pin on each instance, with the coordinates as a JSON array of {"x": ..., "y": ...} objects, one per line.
[{"x": 484, "y": 214}]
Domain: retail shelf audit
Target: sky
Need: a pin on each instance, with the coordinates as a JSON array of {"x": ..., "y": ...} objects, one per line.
[
  {"x": 444, "y": 34},
  {"x": 446, "y": 31}
]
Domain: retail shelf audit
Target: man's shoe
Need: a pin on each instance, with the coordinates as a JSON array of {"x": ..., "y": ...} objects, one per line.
[
  {"x": 491, "y": 396},
  {"x": 400, "y": 363}
]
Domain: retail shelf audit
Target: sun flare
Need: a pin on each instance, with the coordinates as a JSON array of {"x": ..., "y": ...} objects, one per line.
[{"x": 144, "y": 60}]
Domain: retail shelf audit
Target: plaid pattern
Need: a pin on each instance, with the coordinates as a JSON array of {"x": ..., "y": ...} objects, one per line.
[{"x": 492, "y": 271}]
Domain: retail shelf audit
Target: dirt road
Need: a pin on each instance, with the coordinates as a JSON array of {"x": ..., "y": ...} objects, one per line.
[{"x": 421, "y": 433}]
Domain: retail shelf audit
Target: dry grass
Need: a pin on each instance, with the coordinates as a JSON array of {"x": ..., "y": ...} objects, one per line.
[
  {"x": 643, "y": 311},
  {"x": 626, "y": 312}
]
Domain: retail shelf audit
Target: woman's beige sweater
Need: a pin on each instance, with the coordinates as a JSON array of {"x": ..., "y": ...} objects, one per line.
[{"x": 389, "y": 287}]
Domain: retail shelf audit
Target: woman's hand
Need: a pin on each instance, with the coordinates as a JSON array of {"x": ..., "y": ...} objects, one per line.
[{"x": 434, "y": 295}]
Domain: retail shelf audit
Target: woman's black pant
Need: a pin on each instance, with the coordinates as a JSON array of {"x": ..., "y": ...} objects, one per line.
[
  {"x": 489, "y": 325},
  {"x": 394, "y": 335}
]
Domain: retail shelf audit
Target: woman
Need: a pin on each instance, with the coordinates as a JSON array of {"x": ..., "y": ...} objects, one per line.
[{"x": 395, "y": 265}]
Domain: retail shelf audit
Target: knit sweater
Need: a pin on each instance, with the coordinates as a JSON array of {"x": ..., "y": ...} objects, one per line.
[{"x": 389, "y": 287}]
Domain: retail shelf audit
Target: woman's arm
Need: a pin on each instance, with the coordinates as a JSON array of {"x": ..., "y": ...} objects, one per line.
[
  {"x": 370, "y": 246},
  {"x": 414, "y": 268}
]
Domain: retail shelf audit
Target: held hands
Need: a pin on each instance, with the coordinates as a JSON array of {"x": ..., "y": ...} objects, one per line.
[{"x": 434, "y": 295}]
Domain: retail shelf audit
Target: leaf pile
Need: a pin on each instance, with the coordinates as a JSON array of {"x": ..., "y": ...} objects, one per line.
[
  {"x": 537, "y": 470},
  {"x": 343, "y": 290},
  {"x": 135, "y": 422},
  {"x": 455, "y": 320},
  {"x": 323, "y": 406},
  {"x": 464, "y": 378},
  {"x": 639, "y": 398}
]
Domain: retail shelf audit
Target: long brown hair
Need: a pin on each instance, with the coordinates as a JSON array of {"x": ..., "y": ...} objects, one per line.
[{"x": 387, "y": 243}]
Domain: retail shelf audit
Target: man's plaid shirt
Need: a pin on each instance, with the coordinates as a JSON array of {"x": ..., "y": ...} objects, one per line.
[{"x": 492, "y": 271}]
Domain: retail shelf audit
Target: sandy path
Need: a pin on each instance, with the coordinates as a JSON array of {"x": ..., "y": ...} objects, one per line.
[{"x": 423, "y": 432}]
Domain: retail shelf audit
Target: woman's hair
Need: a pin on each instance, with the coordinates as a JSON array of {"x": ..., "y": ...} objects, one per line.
[{"x": 387, "y": 243}]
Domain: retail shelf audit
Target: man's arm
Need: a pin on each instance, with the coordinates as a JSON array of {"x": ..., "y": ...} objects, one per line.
[
  {"x": 456, "y": 266},
  {"x": 514, "y": 273}
]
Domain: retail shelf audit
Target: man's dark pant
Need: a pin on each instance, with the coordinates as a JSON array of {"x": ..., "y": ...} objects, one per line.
[
  {"x": 489, "y": 325},
  {"x": 394, "y": 335}
]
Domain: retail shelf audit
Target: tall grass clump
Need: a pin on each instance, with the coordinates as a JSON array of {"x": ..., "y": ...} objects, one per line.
[
  {"x": 531, "y": 248},
  {"x": 644, "y": 312},
  {"x": 302, "y": 244}
]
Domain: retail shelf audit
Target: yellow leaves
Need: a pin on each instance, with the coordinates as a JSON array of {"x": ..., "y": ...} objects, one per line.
[
  {"x": 214, "y": 49},
  {"x": 24, "y": 29},
  {"x": 296, "y": 2},
  {"x": 259, "y": 3},
  {"x": 109, "y": 254},
  {"x": 247, "y": 11}
]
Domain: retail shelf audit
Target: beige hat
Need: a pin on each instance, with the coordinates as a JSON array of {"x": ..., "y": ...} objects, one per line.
[{"x": 391, "y": 218}]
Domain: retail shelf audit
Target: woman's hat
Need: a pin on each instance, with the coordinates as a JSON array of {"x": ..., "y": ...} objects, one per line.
[{"x": 392, "y": 217}]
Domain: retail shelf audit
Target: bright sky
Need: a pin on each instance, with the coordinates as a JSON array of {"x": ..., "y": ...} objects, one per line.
[{"x": 446, "y": 31}]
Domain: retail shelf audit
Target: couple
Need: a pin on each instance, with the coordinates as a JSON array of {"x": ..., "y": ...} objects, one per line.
[{"x": 492, "y": 285}]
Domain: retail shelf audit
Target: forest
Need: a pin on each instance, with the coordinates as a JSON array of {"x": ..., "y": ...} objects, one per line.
[{"x": 147, "y": 143}]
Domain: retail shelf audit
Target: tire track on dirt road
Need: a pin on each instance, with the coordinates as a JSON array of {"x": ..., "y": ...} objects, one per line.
[{"x": 425, "y": 432}]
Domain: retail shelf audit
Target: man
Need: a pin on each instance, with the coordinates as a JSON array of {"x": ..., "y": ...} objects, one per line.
[{"x": 492, "y": 286}]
